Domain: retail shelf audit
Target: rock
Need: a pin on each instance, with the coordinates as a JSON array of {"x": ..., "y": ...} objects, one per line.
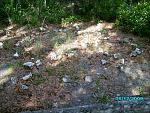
[
  {"x": 13, "y": 80},
  {"x": 88, "y": 79},
  {"x": 136, "y": 52},
  {"x": 24, "y": 87},
  {"x": 77, "y": 28},
  {"x": 60, "y": 30},
  {"x": 1, "y": 45},
  {"x": 26, "y": 77},
  {"x": 65, "y": 30},
  {"x": 55, "y": 30},
  {"x": 121, "y": 61},
  {"x": 28, "y": 64},
  {"x": 42, "y": 29},
  {"x": 53, "y": 56},
  {"x": 18, "y": 44},
  {"x": 66, "y": 79},
  {"x": 117, "y": 56},
  {"x": 103, "y": 62},
  {"x": 133, "y": 54},
  {"x": 16, "y": 55},
  {"x": 106, "y": 53},
  {"x": 38, "y": 63},
  {"x": 32, "y": 58}
]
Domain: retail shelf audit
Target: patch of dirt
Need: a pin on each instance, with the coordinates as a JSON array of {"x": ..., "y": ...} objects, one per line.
[{"x": 74, "y": 51}]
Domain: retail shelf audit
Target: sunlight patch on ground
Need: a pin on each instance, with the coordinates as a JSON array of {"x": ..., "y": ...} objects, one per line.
[
  {"x": 135, "y": 91},
  {"x": 4, "y": 73}
]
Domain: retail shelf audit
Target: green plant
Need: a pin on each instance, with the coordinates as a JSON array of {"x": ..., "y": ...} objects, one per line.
[{"x": 135, "y": 18}]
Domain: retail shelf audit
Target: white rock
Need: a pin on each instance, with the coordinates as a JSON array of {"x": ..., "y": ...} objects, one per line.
[
  {"x": 38, "y": 63},
  {"x": 32, "y": 58},
  {"x": 42, "y": 29},
  {"x": 53, "y": 56},
  {"x": 117, "y": 55},
  {"x": 133, "y": 54},
  {"x": 24, "y": 87},
  {"x": 77, "y": 27},
  {"x": 16, "y": 55},
  {"x": 55, "y": 30},
  {"x": 66, "y": 79},
  {"x": 138, "y": 51},
  {"x": 60, "y": 30},
  {"x": 1, "y": 45},
  {"x": 88, "y": 79},
  {"x": 13, "y": 80},
  {"x": 17, "y": 44},
  {"x": 65, "y": 30},
  {"x": 103, "y": 61},
  {"x": 26, "y": 77},
  {"x": 29, "y": 64}
]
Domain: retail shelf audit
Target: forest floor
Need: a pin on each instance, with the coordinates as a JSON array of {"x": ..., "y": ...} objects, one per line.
[{"x": 54, "y": 66}]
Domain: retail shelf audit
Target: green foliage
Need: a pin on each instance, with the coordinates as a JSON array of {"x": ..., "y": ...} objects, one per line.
[{"x": 135, "y": 18}]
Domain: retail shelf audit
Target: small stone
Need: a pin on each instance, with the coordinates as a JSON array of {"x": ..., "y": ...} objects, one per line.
[
  {"x": 88, "y": 79},
  {"x": 17, "y": 44},
  {"x": 133, "y": 54},
  {"x": 117, "y": 55},
  {"x": 55, "y": 30},
  {"x": 126, "y": 106},
  {"x": 24, "y": 87},
  {"x": 106, "y": 53},
  {"x": 42, "y": 29},
  {"x": 77, "y": 27},
  {"x": 103, "y": 62},
  {"x": 134, "y": 45},
  {"x": 138, "y": 51},
  {"x": 32, "y": 58},
  {"x": 53, "y": 56},
  {"x": 60, "y": 30},
  {"x": 16, "y": 55},
  {"x": 13, "y": 80},
  {"x": 26, "y": 77},
  {"x": 65, "y": 30},
  {"x": 38, "y": 63},
  {"x": 1, "y": 45},
  {"x": 66, "y": 79},
  {"x": 28, "y": 64}
]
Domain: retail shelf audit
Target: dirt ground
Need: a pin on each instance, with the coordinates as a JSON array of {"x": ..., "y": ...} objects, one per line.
[{"x": 80, "y": 63}]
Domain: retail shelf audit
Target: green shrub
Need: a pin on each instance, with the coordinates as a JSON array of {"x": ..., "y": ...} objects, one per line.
[{"x": 135, "y": 18}]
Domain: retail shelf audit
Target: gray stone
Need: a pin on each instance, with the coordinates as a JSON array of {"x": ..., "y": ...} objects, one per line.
[
  {"x": 38, "y": 63},
  {"x": 1, "y": 45},
  {"x": 26, "y": 77},
  {"x": 16, "y": 55},
  {"x": 133, "y": 54},
  {"x": 117, "y": 56},
  {"x": 24, "y": 87},
  {"x": 28, "y": 64},
  {"x": 42, "y": 29},
  {"x": 13, "y": 80},
  {"x": 53, "y": 56},
  {"x": 66, "y": 79},
  {"x": 103, "y": 61},
  {"x": 88, "y": 79},
  {"x": 18, "y": 44},
  {"x": 136, "y": 52}
]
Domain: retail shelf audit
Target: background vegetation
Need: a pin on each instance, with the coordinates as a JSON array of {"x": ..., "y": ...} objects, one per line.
[{"x": 130, "y": 15}]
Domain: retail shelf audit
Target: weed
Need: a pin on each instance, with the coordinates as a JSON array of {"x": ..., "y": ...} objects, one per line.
[{"x": 102, "y": 99}]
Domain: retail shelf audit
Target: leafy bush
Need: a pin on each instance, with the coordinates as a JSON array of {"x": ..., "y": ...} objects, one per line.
[
  {"x": 135, "y": 18},
  {"x": 102, "y": 9}
]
